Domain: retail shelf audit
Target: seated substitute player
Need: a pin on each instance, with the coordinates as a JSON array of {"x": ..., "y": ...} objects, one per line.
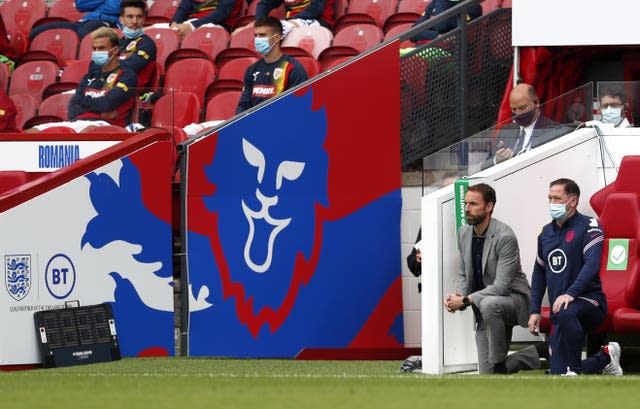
[
  {"x": 137, "y": 50},
  {"x": 275, "y": 72},
  {"x": 192, "y": 14},
  {"x": 567, "y": 266},
  {"x": 298, "y": 13},
  {"x": 105, "y": 96}
]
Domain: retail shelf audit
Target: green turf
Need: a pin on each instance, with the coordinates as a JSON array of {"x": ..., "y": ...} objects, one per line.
[{"x": 218, "y": 383}]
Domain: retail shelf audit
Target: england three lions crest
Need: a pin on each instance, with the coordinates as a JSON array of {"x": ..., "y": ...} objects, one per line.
[{"x": 17, "y": 276}]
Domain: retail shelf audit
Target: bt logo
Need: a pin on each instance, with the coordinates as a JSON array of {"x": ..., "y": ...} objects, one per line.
[{"x": 60, "y": 276}]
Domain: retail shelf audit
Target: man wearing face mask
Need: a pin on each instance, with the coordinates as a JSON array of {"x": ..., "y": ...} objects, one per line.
[
  {"x": 137, "y": 50},
  {"x": 105, "y": 96},
  {"x": 613, "y": 107},
  {"x": 567, "y": 266},
  {"x": 529, "y": 129},
  {"x": 275, "y": 72}
]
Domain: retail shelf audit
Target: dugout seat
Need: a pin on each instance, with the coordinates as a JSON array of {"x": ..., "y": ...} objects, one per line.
[
  {"x": 205, "y": 42},
  {"x": 313, "y": 40},
  {"x": 5, "y": 74},
  {"x": 230, "y": 77},
  {"x": 32, "y": 78},
  {"x": 222, "y": 106},
  {"x": 240, "y": 45},
  {"x": 58, "y": 130},
  {"x": 413, "y": 6},
  {"x": 26, "y": 106},
  {"x": 176, "y": 109},
  {"x": 167, "y": 41},
  {"x": 61, "y": 10},
  {"x": 359, "y": 10},
  {"x": 62, "y": 43},
  {"x": 161, "y": 11},
  {"x": 20, "y": 15},
  {"x": 190, "y": 75},
  {"x": 40, "y": 119},
  {"x": 56, "y": 105}
]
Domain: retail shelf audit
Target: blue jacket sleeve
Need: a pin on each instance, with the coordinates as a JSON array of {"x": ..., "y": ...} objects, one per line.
[
  {"x": 145, "y": 54},
  {"x": 314, "y": 11},
  {"x": 183, "y": 11},
  {"x": 122, "y": 91},
  {"x": 592, "y": 251},
  {"x": 105, "y": 10},
  {"x": 247, "y": 90},
  {"x": 265, "y": 6},
  {"x": 217, "y": 16},
  {"x": 538, "y": 280}
]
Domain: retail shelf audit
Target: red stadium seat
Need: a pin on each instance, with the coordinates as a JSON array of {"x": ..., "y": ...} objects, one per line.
[
  {"x": 58, "y": 88},
  {"x": 176, "y": 109},
  {"x": 56, "y": 105},
  {"x": 85, "y": 49},
  {"x": 222, "y": 106},
  {"x": 351, "y": 41},
  {"x": 161, "y": 11},
  {"x": 11, "y": 179},
  {"x": 190, "y": 75},
  {"x": 75, "y": 71},
  {"x": 32, "y": 78},
  {"x": 360, "y": 37},
  {"x": 313, "y": 40},
  {"x": 240, "y": 45},
  {"x": 26, "y": 106},
  {"x": 62, "y": 43},
  {"x": 400, "y": 19},
  {"x": 4, "y": 77},
  {"x": 376, "y": 9},
  {"x": 230, "y": 77},
  {"x": 167, "y": 41},
  {"x": 413, "y": 6},
  {"x": 61, "y": 10},
  {"x": 489, "y": 5},
  {"x": 333, "y": 62},
  {"x": 341, "y": 7},
  {"x": 397, "y": 30},
  {"x": 19, "y": 15},
  {"x": 205, "y": 42},
  {"x": 250, "y": 14},
  {"x": 311, "y": 66}
]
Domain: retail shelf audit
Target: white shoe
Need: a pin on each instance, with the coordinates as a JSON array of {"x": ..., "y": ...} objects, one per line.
[
  {"x": 613, "y": 367},
  {"x": 569, "y": 372}
]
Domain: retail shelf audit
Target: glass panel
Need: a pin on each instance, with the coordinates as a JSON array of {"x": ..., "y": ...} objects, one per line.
[{"x": 557, "y": 117}]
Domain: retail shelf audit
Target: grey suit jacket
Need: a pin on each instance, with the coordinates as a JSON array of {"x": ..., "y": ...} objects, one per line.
[{"x": 502, "y": 272}]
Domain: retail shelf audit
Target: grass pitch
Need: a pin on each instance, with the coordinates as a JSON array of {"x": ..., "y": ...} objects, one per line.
[{"x": 178, "y": 383}]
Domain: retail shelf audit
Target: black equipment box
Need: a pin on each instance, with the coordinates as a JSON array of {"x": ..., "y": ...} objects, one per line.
[{"x": 76, "y": 336}]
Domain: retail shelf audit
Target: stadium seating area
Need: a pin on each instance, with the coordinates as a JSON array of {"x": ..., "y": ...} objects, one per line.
[{"x": 56, "y": 59}]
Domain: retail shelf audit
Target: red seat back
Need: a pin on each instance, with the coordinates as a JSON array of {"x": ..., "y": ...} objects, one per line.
[
  {"x": 190, "y": 75},
  {"x": 360, "y": 37},
  {"x": 167, "y": 41},
  {"x": 75, "y": 71},
  {"x": 235, "y": 69},
  {"x": 25, "y": 106},
  {"x": 413, "y": 6},
  {"x": 65, "y": 9},
  {"x": 313, "y": 40},
  {"x": 311, "y": 66},
  {"x": 210, "y": 40},
  {"x": 222, "y": 106},
  {"x": 163, "y": 8},
  {"x": 176, "y": 109},
  {"x": 56, "y": 105},
  {"x": 61, "y": 42},
  {"x": 32, "y": 78},
  {"x": 377, "y": 9},
  {"x": 19, "y": 15}
]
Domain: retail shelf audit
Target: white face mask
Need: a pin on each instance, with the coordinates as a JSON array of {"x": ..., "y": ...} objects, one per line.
[{"x": 611, "y": 115}]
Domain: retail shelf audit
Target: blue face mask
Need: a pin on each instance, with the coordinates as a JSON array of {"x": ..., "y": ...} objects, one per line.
[
  {"x": 101, "y": 58},
  {"x": 612, "y": 115},
  {"x": 262, "y": 45},
  {"x": 558, "y": 211},
  {"x": 131, "y": 33}
]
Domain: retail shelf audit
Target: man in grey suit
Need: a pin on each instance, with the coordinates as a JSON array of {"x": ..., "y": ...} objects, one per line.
[{"x": 490, "y": 280}]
